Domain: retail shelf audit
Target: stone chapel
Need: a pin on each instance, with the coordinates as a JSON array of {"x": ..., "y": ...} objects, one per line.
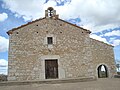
[{"x": 51, "y": 48}]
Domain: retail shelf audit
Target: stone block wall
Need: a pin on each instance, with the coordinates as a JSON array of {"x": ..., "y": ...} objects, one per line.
[
  {"x": 102, "y": 54},
  {"x": 27, "y": 47},
  {"x": 77, "y": 54}
]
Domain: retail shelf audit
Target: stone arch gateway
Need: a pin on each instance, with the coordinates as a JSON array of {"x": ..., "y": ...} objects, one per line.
[{"x": 102, "y": 71}]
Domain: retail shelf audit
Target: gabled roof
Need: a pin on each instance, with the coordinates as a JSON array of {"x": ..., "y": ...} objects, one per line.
[
  {"x": 102, "y": 42},
  {"x": 75, "y": 26},
  {"x": 88, "y": 31},
  {"x": 10, "y": 31}
]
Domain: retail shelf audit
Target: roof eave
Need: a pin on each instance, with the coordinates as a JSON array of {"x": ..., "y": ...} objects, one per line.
[
  {"x": 88, "y": 31},
  {"x": 11, "y": 31}
]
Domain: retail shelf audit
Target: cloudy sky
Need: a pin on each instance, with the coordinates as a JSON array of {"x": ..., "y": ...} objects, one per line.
[{"x": 102, "y": 17}]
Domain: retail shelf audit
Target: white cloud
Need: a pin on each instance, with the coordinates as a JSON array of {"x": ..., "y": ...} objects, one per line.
[
  {"x": 116, "y": 42},
  {"x": 113, "y": 33},
  {"x": 112, "y": 39},
  {"x": 95, "y": 15},
  {"x": 4, "y": 43},
  {"x": 98, "y": 38},
  {"x": 3, "y": 66},
  {"x": 3, "y": 17},
  {"x": 28, "y": 9},
  {"x": 3, "y": 62}
]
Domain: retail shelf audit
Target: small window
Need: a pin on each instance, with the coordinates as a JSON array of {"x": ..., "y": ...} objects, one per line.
[{"x": 50, "y": 40}]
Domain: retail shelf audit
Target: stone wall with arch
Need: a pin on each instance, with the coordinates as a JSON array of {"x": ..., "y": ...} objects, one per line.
[
  {"x": 102, "y": 54},
  {"x": 107, "y": 67}
]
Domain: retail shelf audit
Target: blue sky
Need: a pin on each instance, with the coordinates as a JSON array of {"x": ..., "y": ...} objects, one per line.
[{"x": 101, "y": 17}]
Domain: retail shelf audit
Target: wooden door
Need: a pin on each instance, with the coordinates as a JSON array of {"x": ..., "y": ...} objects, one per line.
[{"x": 51, "y": 69}]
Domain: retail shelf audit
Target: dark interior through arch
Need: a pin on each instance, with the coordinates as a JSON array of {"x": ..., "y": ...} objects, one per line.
[{"x": 102, "y": 71}]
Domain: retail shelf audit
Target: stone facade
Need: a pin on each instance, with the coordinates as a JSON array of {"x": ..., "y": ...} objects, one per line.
[
  {"x": 102, "y": 53},
  {"x": 78, "y": 55}
]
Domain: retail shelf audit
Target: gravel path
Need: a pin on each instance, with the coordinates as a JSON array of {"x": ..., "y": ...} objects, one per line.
[{"x": 100, "y": 84}]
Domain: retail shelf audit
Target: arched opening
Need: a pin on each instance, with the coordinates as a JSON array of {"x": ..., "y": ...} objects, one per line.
[
  {"x": 50, "y": 12},
  {"x": 102, "y": 71}
]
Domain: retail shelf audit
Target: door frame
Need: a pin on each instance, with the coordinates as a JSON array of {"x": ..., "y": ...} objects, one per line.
[
  {"x": 61, "y": 71},
  {"x": 56, "y": 60}
]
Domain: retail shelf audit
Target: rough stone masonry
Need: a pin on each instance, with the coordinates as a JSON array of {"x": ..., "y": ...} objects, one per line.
[{"x": 51, "y": 48}]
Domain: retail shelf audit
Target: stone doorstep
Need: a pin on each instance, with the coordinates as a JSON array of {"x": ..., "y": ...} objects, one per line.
[{"x": 47, "y": 81}]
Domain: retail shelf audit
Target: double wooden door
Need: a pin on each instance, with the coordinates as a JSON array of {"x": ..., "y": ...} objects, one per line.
[{"x": 51, "y": 69}]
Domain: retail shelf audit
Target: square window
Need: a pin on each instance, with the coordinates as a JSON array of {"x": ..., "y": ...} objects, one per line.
[{"x": 50, "y": 40}]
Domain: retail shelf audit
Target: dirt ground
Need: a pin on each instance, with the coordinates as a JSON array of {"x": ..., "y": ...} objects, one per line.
[{"x": 100, "y": 84}]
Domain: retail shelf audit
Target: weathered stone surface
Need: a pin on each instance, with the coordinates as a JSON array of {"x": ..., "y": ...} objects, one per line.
[
  {"x": 77, "y": 54},
  {"x": 3, "y": 77},
  {"x": 103, "y": 54}
]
